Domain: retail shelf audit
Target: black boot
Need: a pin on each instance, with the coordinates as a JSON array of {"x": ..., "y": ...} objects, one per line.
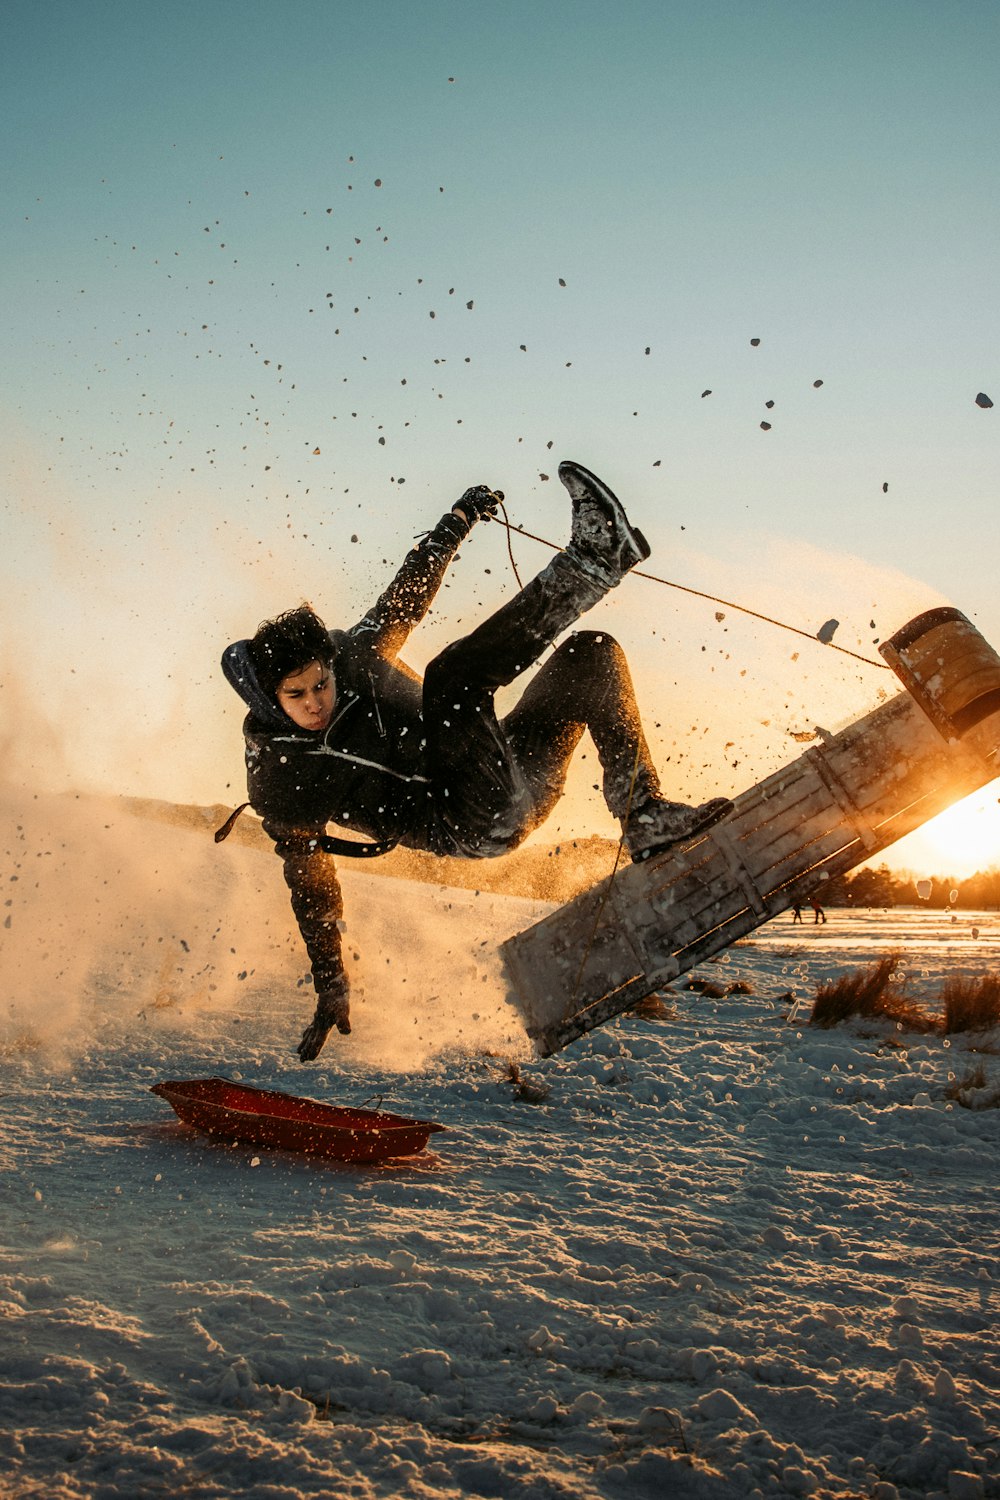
[
  {"x": 656, "y": 824},
  {"x": 604, "y": 544}
]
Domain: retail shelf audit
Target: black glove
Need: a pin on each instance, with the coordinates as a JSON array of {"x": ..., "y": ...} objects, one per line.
[
  {"x": 332, "y": 1009},
  {"x": 478, "y": 504}
]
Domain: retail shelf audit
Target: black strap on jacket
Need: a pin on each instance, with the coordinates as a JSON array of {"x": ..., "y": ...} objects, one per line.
[
  {"x": 352, "y": 849},
  {"x": 230, "y": 823},
  {"x": 329, "y": 845}
]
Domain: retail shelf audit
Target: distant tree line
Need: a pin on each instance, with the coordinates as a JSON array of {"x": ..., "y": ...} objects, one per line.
[{"x": 880, "y": 887}]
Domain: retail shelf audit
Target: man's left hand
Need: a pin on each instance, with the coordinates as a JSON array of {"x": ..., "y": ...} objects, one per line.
[{"x": 478, "y": 504}]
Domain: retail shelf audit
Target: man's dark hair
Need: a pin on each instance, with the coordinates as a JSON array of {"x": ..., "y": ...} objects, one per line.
[{"x": 288, "y": 643}]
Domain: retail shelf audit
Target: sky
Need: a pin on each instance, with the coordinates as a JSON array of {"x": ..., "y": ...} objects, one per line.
[{"x": 282, "y": 281}]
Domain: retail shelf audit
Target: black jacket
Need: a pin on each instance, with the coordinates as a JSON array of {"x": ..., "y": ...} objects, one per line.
[{"x": 365, "y": 771}]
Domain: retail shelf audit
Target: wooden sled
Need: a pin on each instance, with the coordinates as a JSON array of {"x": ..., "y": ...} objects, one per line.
[{"x": 831, "y": 809}]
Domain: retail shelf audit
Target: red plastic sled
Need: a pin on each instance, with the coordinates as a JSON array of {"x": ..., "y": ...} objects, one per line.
[{"x": 266, "y": 1117}]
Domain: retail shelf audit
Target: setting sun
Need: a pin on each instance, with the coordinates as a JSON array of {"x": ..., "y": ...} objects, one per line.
[{"x": 958, "y": 842}]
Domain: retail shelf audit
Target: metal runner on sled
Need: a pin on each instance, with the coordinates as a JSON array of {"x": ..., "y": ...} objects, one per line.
[{"x": 831, "y": 809}]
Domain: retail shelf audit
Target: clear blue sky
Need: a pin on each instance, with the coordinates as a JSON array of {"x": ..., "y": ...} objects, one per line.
[{"x": 235, "y": 233}]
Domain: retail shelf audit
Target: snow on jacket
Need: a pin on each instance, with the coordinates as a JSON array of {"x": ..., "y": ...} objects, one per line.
[{"x": 364, "y": 772}]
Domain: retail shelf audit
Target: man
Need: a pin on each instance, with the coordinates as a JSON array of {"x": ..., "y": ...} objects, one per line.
[{"x": 340, "y": 731}]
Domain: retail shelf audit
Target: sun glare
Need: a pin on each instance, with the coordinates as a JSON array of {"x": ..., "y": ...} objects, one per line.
[{"x": 962, "y": 840}]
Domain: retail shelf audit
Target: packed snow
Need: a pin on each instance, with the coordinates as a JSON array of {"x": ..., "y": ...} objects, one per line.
[{"x": 708, "y": 1252}]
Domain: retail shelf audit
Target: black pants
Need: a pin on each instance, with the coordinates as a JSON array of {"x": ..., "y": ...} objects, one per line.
[{"x": 494, "y": 781}]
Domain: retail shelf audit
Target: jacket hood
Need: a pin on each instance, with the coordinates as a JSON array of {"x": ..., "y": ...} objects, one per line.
[{"x": 238, "y": 668}]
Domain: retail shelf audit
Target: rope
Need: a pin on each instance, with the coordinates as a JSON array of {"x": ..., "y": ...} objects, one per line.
[
  {"x": 607, "y": 892},
  {"x": 697, "y": 594},
  {"x": 510, "y": 547}
]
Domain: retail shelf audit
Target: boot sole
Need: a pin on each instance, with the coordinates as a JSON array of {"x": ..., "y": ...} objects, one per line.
[{"x": 570, "y": 472}]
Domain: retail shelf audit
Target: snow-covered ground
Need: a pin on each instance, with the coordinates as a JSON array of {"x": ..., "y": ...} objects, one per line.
[{"x": 725, "y": 1254}]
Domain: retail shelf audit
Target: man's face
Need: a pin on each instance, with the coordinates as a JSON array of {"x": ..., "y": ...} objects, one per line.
[{"x": 307, "y": 696}]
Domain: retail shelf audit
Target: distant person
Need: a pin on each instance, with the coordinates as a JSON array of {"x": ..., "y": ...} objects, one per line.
[
  {"x": 819, "y": 915},
  {"x": 797, "y": 912},
  {"x": 340, "y": 731}
]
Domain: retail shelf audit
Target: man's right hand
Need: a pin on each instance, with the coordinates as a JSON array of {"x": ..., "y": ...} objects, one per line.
[{"x": 332, "y": 1009}]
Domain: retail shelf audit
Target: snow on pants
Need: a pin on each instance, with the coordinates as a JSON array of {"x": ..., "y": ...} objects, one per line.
[{"x": 493, "y": 781}]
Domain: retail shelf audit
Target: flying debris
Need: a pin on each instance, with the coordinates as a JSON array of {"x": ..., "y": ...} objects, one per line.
[
  {"x": 885, "y": 487},
  {"x": 315, "y": 453},
  {"x": 705, "y": 393},
  {"x": 754, "y": 343},
  {"x": 766, "y": 426},
  {"x": 825, "y": 632},
  {"x": 561, "y": 282},
  {"x": 983, "y": 400},
  {"x": 769, "y": 404},
  {"x": 817, "y": 384}
]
